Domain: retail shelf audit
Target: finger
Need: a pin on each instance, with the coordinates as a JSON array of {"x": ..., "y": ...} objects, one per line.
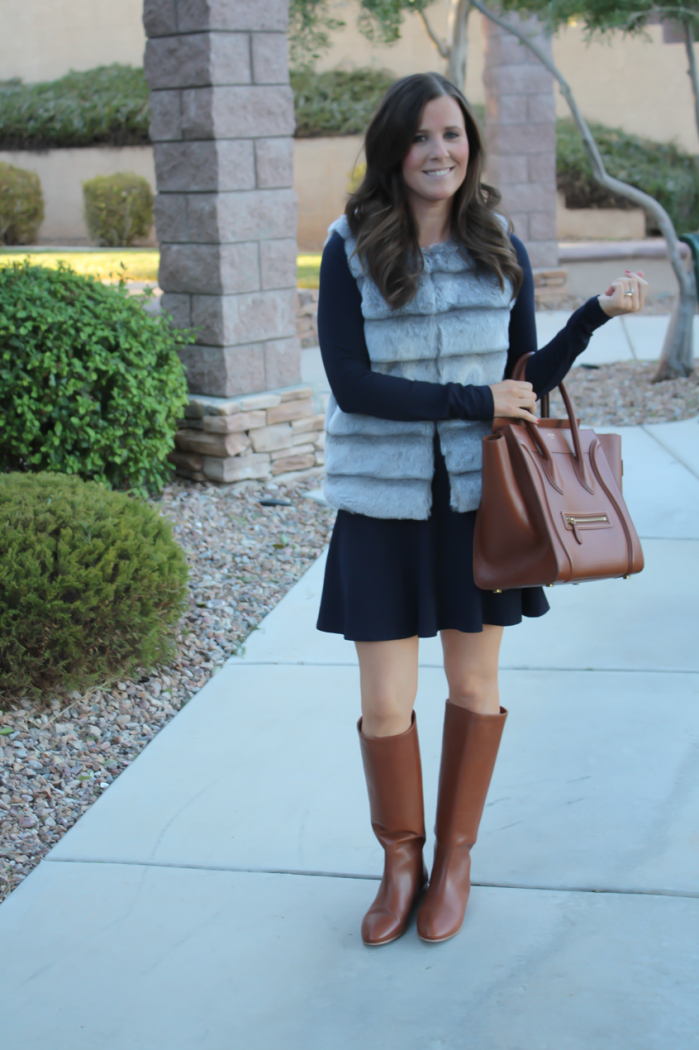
[
  {"x": 629, "y": 297},
  {"x": 528, "y": 416}
]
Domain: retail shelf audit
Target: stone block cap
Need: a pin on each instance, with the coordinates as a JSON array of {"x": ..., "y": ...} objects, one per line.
[{"x": 201, "y": 405}]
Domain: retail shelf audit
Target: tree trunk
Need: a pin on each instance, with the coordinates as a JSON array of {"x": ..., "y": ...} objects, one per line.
[
  {"x": 458, "y": 42},
  {"x": 676, "y": 358},
  {"x": 692, "y": 70}
]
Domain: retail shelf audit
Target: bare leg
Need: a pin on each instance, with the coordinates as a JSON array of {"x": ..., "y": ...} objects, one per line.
[
  {"x": 471, "y": 667},
  {"x": 388, "y": 676}
]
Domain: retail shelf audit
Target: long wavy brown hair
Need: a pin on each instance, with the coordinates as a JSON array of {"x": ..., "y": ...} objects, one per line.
[{"x": 379, "y": 214}]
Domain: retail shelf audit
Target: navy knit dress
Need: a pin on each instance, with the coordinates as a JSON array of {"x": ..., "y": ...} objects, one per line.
[{"x": 388, "y": 579}]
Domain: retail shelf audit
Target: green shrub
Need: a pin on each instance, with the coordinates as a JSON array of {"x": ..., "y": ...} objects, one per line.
[
  {"x": 90, "y": 384},
  {"x": 663, "y": 170},
  {"x": 118, "y": 208},
  {"x": 339, "y": 102},
  {"x": 21, "y": 205},
  {"x": 107, "y": 106},
  {"x": 92, "y": 583}
]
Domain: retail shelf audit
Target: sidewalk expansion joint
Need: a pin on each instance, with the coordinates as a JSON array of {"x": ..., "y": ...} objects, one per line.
[
  {"x": 671, "y": 451},
  {"x": 632, "y": 348},
  {"x": 503, "y": 667},
  {"x": 365, "y": 878}
]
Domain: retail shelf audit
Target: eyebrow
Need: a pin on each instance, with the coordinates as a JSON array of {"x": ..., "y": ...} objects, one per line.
[{"x": 449, "y": 127}]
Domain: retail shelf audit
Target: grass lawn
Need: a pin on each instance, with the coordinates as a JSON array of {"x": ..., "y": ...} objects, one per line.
[
  {"x": 134, "y": 264},
  {"x": 308, "y": 270}
]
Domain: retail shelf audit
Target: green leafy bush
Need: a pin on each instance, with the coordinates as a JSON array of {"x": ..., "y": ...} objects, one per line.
[
  {"x": 90, "y": 384},
  {"x": 663, "y": 170},
  {"x": 118, "y": 208},
  {"x": 92, "y": 583},
  {"x": 339, "y": 102},
  {"x": 107, "y": 106},
  {"x": 21, "y": 205}
]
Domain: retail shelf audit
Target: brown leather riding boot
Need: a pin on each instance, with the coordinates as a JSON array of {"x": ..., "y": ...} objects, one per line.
[
  {"x": 394, "y": 781},
  {"x": 469, "y": 749}
]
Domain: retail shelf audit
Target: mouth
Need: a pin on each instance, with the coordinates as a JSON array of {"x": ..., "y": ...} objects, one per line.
[{"x": 438, "y": 173}]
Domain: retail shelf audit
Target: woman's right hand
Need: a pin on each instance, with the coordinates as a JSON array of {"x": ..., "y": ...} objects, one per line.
[{"x": 514, "y": 400}]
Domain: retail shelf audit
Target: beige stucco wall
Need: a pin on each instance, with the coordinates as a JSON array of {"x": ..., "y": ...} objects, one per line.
[
  {"x": 638, "y": 84},
  {"x": 322, "y": 172},
  {"x": 43, "y": 39},
  {"x": 62, "y": 173},
  {"x": 413, "y": 53}
]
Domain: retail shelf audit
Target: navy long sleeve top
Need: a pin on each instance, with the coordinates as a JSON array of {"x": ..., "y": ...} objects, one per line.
[{"x": 358, "y": 389}]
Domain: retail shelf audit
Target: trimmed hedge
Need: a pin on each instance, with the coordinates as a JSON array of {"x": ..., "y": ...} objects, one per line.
[
  {"x": 663, "y": 170},
  {"x": 118, "y": 208},
  {"x": 21, "y": 205},
  {"x": 90, "y": 384},
  {"x": 92, "y": 583},
  {"x": 107, "y": 106},
  {"x": 339, "y": 102}
]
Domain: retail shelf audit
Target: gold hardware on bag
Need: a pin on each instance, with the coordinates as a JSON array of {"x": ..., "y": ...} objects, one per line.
[
  {"x": 627, "y": 576},
  {"x": 549, "y": 585},
  {"x": 497, "y": 592},
  {"x": 587, "y": 519},
  {"x": 574, "y": 521}
]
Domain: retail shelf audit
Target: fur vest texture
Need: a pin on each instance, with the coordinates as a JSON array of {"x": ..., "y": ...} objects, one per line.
[{"x": 455, "y": 330}]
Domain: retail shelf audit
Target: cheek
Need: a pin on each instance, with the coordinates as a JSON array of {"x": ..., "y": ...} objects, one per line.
[
  {"x": 463, "y": 153},
  {"x": 413, "y": 160}
]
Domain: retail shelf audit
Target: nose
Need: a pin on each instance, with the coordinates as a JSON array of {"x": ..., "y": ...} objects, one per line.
[{"x": 439, "y": 150}]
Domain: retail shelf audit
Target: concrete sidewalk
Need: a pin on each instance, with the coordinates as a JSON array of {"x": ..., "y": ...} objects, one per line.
[{"x": 212, "y": 896}]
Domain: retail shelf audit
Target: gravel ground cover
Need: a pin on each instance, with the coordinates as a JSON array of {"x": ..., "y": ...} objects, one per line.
[
  {"x": 57, "y": 756},
  {"x": 624, "y": 394}
]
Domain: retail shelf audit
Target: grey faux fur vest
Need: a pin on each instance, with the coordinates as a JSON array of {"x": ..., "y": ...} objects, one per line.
[{"x": 454, "y": 330}]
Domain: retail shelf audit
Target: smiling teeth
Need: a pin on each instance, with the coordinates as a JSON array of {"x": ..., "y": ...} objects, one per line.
[{"x": 438, "y": 172}]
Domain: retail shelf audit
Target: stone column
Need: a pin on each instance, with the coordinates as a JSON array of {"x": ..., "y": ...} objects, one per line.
[
  {"x": 520, "y": 126},
  {"x": 226, "y": 212}
]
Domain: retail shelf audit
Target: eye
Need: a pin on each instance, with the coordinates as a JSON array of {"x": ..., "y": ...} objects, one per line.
[
  {"x": 419, "y": 137},
  {"x": 453, "y": 134}
]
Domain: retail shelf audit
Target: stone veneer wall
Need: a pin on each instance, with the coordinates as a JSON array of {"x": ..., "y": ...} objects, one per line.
[
  {"x": 520, "y": 121},
  {"x": 225, "y": 213},
  {"x": 253, "y": 437}
]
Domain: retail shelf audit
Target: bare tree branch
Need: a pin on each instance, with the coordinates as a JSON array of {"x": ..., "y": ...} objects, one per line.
[
  {"x": 692, "y": 71},
  {"x": 438, "y": 42},
  {"x": 671, "y": 364}
]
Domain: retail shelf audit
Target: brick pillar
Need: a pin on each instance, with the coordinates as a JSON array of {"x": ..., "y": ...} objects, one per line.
[
  {"x": 520, "y": 122},
  {"x": 226, "y": 211}
]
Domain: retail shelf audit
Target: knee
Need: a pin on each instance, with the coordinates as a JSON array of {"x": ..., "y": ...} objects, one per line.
[
  {"x": 476, "y": 693},
  {"x": 385, "y": 715}
]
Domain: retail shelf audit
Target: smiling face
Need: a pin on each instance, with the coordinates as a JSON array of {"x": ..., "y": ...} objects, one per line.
[{"x": 436, "y": 163}]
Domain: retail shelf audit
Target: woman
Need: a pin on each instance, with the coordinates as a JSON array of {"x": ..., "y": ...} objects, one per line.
[{"x": 426, "y": 303}]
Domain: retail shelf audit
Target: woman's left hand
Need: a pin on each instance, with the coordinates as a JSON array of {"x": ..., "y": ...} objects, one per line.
[{"x": 625, "y": 295}]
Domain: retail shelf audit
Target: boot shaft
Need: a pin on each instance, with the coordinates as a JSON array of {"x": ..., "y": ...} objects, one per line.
[
  {"x": 394, "y": 783},
  {"x": 470, "y": 746}
]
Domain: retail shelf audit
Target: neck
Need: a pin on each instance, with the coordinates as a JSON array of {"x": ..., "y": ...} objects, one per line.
[{"x": 433, "y": 220}]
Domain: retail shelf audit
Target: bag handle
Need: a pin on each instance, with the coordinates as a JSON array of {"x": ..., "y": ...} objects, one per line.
[{"x": 518, "y": 374}]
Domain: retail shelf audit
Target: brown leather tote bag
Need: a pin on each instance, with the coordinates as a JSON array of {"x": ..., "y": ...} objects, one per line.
[{"x": 552, "y": 509}]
